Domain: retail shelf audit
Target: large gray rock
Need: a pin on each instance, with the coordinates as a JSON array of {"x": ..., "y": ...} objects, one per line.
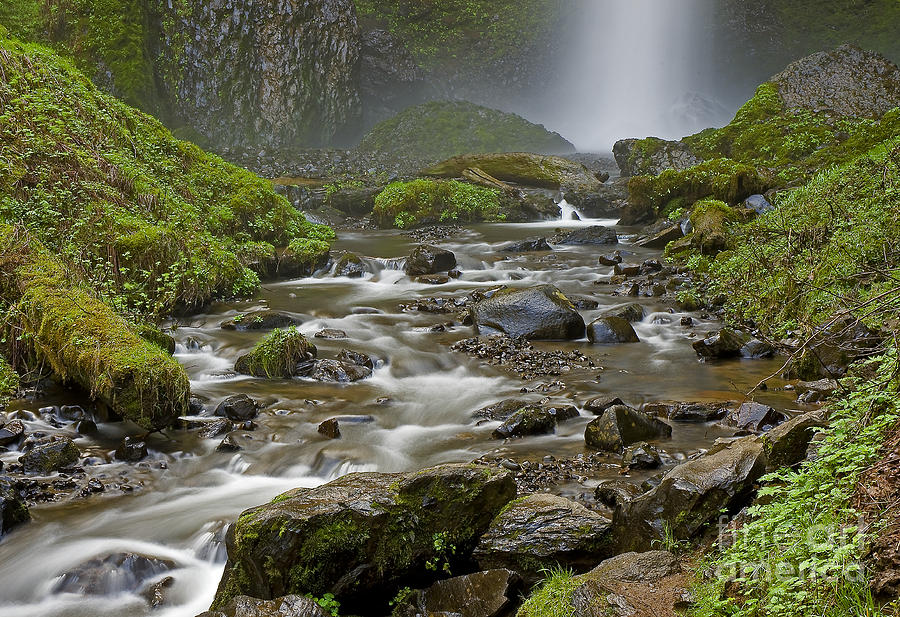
[
  {"x": 595, "y": 234},
  {"x": 427, "y": 259},
  {"x": 13, "y": 511},
  {"x": 847, "y": 81},
  {"x": 262, "y": 74},
  {"x": 620, "y": 426},
  {"x": 652, "y": 156},
  {"x": 363, "y": 536},
  {"x": 754, "y": 416},
  {"x": 535, "y": 313},
  {"x": 528, "y": 420},
  {"x": 544, "y": 529},
  {"x": 719, "y": 345},
  {"x": 287, "y": 606},
  {"x": 611, "y": 330},
  {"x": 483, "y": 594},
  {"x": 677, "y": 411}
]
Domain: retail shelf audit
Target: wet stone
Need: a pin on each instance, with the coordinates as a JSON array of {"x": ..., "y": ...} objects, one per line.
[
  {"x": 530, "y": 420},
  {"x": 330, "y": 333},
  {"x": 330, "y": 429},
  {"x": 131, "y": 450},
  {"x": 51, "y": 455},
  {"x": 260, "y": 320},
  {"x": 238, "y": 408},
  {"x": 229, "y": 444},
  {"x": 641, "y": 456},
  {"x": 12, "y": 432}
]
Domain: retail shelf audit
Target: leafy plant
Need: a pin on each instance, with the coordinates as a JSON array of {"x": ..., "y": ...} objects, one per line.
[
  {"x": 443, "y": 552},
  {"x": 328, "y": 604}
]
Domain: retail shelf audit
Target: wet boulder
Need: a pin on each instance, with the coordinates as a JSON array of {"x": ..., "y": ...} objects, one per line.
[
  {"x": 692, "y": 495},
  {"x": 641, "y": 456},
  {"x": 633, "y": 312},
  {"x": 529, "y": 245},
  {"x": 112, "y": 574},
  {"x": 260, "y": 320},
  {"x": 331, "y": 334},
  {"x": 348, "y": 356},
  {"x": 428, "y": 259},
  {"x": 363, "y": 536},
  {"x": 337, "y": 371},
  {"x": 809, "y": 391},
  {"x": 595, "y": 234},
  {"x": 787, "y": 443},
  {"x": 621, "y": 426},
  {"x": 350, "y": 265},
  {"x": 13, "y": 511},
  {"x": 599, "y": 404},
  {"x": 611, "y": 330},
  {"x": 238, "y": 408},
  {"x": 660, "y": 239},
  {"x": 754, "y": 417},
  {"x": 330, "y": 428},
  {"x": 755, "y": 349},
  {"x": 500, "y": 410},
  {"x": 544, "y": 529},
  {"x": 282, "y": 354},
  {"x": 719, "y": 345},
  {"x": 12, "y": 432},
  {"x": 530, "y": 420},
  {"x": 483, "y": 594},
  {"x": 131, "y": 450},
  {"x": 49, "y": 455},
  {"x": 286, "y": 606},
  {"x": 535, "y": 313},
  {"x": 614, "y": 493},
  {"x": 688, "y": 411}
]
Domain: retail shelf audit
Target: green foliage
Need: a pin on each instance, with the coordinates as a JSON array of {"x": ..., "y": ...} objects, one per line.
[
  {"x": 829, "y": 245},
  {"x": 149, "y": 221},
  {"x": 799, "y": 554},
  {"x": 669, "y": 542},
  {"x": 9, "y": 381},
  {"x": 328, "y": 604},
  {"x": 405, "y": 204},
  {"x": 444, "y": 33},
  {"x": 444, "y": 551},
  {"x": 277, "y": 354},
  {"x": 554, "y": 597},
  {"x": 439, "y": 130}
]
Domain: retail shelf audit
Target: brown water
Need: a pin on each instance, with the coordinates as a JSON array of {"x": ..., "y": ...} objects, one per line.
[{"x": 431, "y": 392}]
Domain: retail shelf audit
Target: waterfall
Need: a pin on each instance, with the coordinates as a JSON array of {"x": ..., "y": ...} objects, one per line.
[{"x": 636, "y": 68}]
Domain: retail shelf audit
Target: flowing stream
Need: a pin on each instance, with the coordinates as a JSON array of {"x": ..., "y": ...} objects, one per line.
[{"x": 415, "y": 411}]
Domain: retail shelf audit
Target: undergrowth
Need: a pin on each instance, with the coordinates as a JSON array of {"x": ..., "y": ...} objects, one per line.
[
  {"x": 554, "y": 597},
  {"x": 405, "y": 204}
]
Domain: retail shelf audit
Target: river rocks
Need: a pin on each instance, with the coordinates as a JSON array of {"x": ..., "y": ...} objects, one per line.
[
  {"x": 529, "y": 245},
  {"x": 330, "y": 334},
  {"x": 12, "y": 432},
  {"x": 641, "y": 456},
  {"x": 112, "y": 574},
  {"x": 661, "y": 239},
  {"x": 350, "y": 265},
  {"x": 500, "y": 410},
  {"x": 13, "y": 511},
  {"x": 428, "y": 259},
  {"x": 534, "y": 170},
  {"x": 600, "y": 404},
  {"x": 595, "y": 234},
  {"x": 262, "y": 76},
  {"x": 286, "y": 606},
  {"x": 282, "y": 354},
  {"x": 530, "y": 420},
  {"x": 787, "y": 444},
  {"x": 483, "y": 594},
  {"x": 260, "y": 320},
  {"x": 544, "y": 529},
  {"x": 337, "y": 371},
  {"x": 131, "y": 450},
  {"x": 652, "y": 156},
  {"x": 620, "y": 426},
  {"x": 844, "y": 82},
  {"x": 754, "y": 417},
  {"x": 755, "y": 349},
  {"x": 215, "y": 428},
  {"x": 348, "y": 356},
  {"x": 632, "y": 312},
  {"x": 810, "y": 391},
  {"x": 49, "y": 455},
  {"x": 719, "y": 345},
  {"x": 534, "y": 313},
  {"x": 692, "y": 495},
  {"x": 229, "y": 444},
  {"x": 614, "y": 493},
  {"x": 689, "y": 412},
  {"x": 238, "y": 408},
  {"x": 610, "y": 330},
  {"x": 330, "y": 428},
  {"x": 520, "y": 356},
  {"x": 362, "y": 536}
]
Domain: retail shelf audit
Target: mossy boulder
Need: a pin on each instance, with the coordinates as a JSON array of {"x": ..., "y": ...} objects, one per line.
[
  {"x": 260, "y": 320},
  {"x": 536, "y": 313},
  {"x": 283, "y": 353},
  {"x": 535, "y": 170},
  {"x": 49, "y": 455},
  {"x": 540, "y": 530},
  {"x": 711, "y": 220},
  {"x": 363, "y": 536},
  {"x": 440, "y": 130},
  {"x": 82, "y": 340},
  {"x": 407, "y": 204},
  {"x": 652, "y": 156}
]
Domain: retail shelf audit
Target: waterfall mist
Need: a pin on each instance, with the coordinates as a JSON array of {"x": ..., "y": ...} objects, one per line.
[{"x": 636, "y": 68}]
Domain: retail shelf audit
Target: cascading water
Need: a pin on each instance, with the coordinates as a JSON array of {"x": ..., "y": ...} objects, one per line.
[{"x": 636, "y": 68}]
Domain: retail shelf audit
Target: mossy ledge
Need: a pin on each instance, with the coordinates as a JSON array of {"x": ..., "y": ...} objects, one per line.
[{"x": 82, "y": 339}]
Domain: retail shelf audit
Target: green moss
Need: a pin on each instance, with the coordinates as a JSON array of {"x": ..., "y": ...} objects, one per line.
[
  {"x": 439, "y": 130},
  {"x": 404, "y": 204},
  {"x": 711, "y": 220},
  {"x": 152, "y": 222},
  {"x": 277, "y": 355},
  {"x": 9, "y": 381},
  {"x": 81, "y": 338}
]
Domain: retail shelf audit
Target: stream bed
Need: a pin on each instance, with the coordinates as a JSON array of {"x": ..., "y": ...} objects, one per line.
[{"x": 415, "y": 411}]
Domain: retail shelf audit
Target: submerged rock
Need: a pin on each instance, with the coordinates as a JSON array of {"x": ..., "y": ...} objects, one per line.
[
  {"x": 610, "y": 330},
  {"x": 428, "y": 259},
  {"x": 535, "y": 313},
  {"x": 620, "y": 426},
  {"x": 544, "y": 529},
  {"x": 596, "y": 234},
  {"x": 112, "y": 574},
  {"x": 363, "y": 536},
  {"x": 13, "y": 511},
  {"x": 530, "y": 420},
  {"x": 131, "y": 450}
]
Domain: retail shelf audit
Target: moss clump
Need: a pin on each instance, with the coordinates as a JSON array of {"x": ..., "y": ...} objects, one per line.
[
  {"x": 82, "y": 339},
  {"x": 9, "y": 381},
  {"x": 405, "y": 204},
  {"x": 152, "y": 222},
  {"x": 712, "y": 220},
  {"x": 439, "y": 130},
  {"x": 553, "y": 598},
  {"x": 720, "y": 179},
  {"x": 277, "y": 355}
]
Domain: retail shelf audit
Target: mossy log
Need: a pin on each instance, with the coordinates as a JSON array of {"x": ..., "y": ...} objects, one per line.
[{"x": 82, "y": 339}]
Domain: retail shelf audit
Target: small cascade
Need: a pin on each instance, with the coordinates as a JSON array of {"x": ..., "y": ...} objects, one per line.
[{"x": 568, "y": 212}]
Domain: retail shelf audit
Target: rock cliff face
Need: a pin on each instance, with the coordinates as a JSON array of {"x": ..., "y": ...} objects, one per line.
[{"x": 262, "y": 74}]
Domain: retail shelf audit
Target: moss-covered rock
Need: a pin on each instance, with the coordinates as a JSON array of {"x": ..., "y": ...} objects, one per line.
[
  {"x": 82, "y": 339},
  {"x": 551, "y": 172},
  {"x": 153, "y": 222},
  {"x": 277, "y": 355},
  {"x": 364, "y": 536},
  {"x": 406, "y": 204},
  {"x": 651, "y": 156},
  {"x": 711, "y": 220},
  {"x": 440, "y": 130}
]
